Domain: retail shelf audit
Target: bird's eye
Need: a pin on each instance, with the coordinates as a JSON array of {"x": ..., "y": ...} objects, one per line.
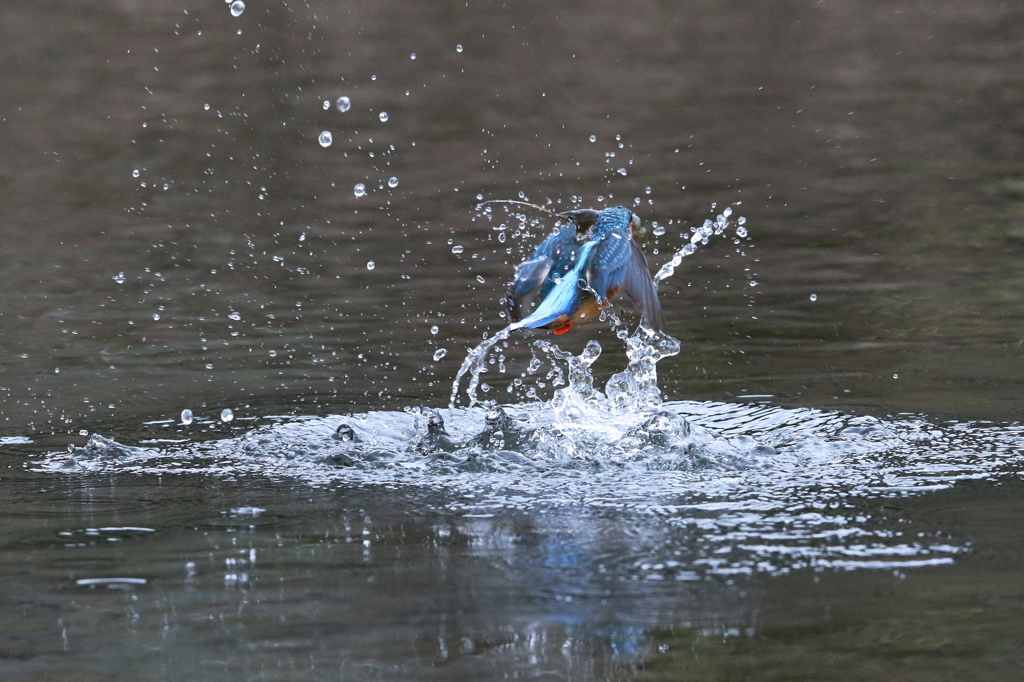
[{"x": 634, "y": 222}]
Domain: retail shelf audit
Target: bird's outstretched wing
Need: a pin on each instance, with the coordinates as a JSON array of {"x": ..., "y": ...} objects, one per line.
[
  {"x": 638, "y": 287},
  {"x": 523, "y": 289},
  {"x": 533, "y": 277}
]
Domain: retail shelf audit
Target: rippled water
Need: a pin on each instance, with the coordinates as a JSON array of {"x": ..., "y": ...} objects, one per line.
[{"x": 741, "y": 488}]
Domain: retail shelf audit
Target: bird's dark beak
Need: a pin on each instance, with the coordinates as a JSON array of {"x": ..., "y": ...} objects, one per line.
[{"x": 583, "y": 219}]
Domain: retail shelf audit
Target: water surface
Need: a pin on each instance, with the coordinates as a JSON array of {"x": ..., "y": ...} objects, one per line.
[{"x": 177, "y": 237}]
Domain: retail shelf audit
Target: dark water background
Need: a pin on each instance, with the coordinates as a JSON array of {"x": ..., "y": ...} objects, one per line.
[{"x": 174, "y": 236}]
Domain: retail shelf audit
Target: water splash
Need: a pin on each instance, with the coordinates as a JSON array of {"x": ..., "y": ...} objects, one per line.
[
  {"x": 700, "y": 236},
  {"x": 712, "y": 489},
  {"x": 636, "y": 387},
  {"x": 475, "y": 364},
  {"x": 738, "y": 488}
]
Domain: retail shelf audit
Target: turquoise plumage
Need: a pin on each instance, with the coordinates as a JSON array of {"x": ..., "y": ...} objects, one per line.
[{"x": 571, "y": 282}]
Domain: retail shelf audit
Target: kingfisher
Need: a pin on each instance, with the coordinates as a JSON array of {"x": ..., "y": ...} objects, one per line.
[{"x": 574, "y": 274}]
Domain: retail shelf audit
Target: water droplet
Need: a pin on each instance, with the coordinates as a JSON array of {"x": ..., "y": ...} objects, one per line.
[
  {"x": 392, "y": 182},
  {"x": 226, "y": 415},
  {"x": 623, "y": 171},
  {"x": 234, "y": 316},
  {"x": 156, "y": 317},
  {"x": 458, "y": 48},
  {"x": 658, "y": 230},
  {"x": 206, "y": 107},
  {"x": 412, "y": 56},
  {"x": 814, "y": 297},
  {"x": 440, "y": 353},
  {"x": 383, "y": 117},
  {"x": 327, "y": 105},
  {"x": 326, "y": 138},
  {"x": 119, "y": 278},
  {"x": 237, "y": 7},
  {"x": 895, "y": 376},
  {"x": 135, "y": 173},
  {"x": 458, "y": 248},
  {"x": 345, "y": 433},
  {"x": 186, "y": 417},
  {"x": 480, "y": 278},
  {"x": 370, "y": 265},
  {"x": 272, "y": 353},
  {"x": 343, "y": 104},
  {"x": 359, "y": 190},
  {"x": 593, "y": 138},
  {"x": 434, "y": 330}
]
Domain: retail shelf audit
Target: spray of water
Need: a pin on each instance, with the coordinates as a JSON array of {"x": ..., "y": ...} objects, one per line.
[
  {"x": 634, "y": 388},
  {"x": 695, "y": 488}
]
